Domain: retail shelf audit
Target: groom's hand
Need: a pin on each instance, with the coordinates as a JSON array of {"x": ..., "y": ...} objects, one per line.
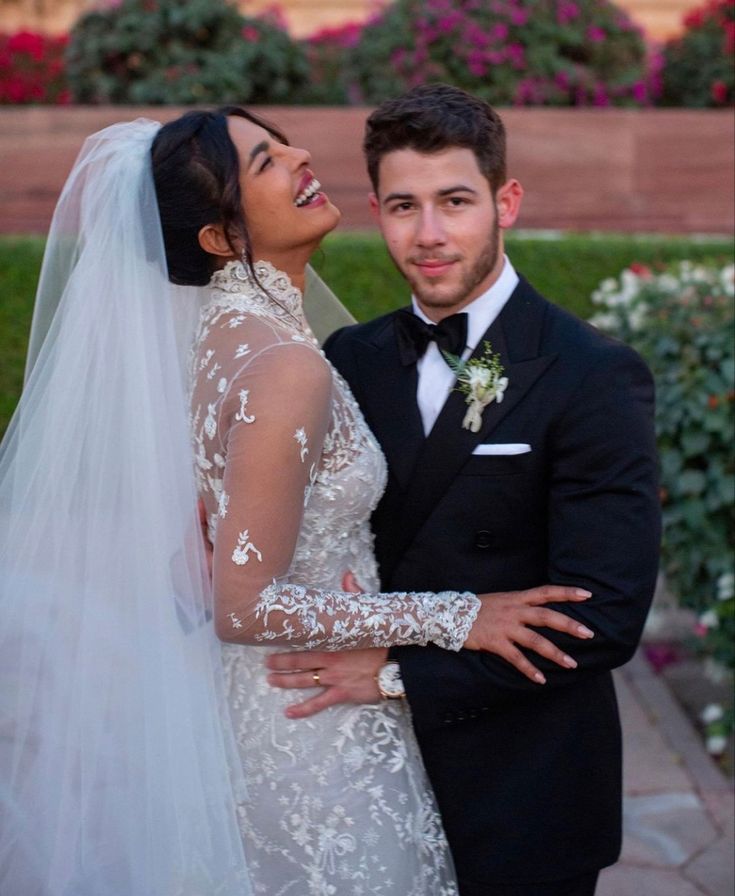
[
  {"x": 345, "y": 677},
  {"x": 208, "y": 547}
]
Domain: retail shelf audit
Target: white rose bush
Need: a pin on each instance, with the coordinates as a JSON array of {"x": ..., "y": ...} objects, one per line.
[{"x": 681, "y": 320}]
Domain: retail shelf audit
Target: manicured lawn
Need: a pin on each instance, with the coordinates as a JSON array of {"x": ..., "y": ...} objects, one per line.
[
  {"x": 566, "y": 269},
  {"x": 20, "y": 262}
]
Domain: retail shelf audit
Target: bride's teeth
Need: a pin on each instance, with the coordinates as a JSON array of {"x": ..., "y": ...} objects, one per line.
[{"x": 306, "y": 194}]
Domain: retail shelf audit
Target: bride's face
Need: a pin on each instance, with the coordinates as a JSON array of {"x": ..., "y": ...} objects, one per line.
[{"x": 286, "y": 212}]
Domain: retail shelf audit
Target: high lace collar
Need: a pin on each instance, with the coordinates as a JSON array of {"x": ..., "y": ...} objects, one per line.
[{"x": 273, "y": 293}]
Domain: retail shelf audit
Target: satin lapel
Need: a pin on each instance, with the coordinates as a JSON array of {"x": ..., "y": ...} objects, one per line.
[
  {"x": 389, "y": 402},
  {"x": 515, "y": 334}
]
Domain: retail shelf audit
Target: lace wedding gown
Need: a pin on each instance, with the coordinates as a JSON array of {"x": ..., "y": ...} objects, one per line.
[{"x": 338, "y": 804}]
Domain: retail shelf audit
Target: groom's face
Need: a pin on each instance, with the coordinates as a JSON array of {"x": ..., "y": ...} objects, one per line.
[{"x": 442, "y": 224}]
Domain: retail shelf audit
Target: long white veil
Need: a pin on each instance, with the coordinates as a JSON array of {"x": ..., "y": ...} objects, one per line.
[{"x": 117, "y": 774}]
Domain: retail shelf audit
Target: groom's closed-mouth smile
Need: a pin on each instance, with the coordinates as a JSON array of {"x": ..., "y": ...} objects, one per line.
[{"x": 434, "y": 267}]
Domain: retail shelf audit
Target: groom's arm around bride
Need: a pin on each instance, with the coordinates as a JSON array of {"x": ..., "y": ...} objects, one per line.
[{"x": 558, "y": 484}]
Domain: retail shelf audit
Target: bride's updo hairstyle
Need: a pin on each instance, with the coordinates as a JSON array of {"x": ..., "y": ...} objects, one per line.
[{"x": 196, "y": 172}]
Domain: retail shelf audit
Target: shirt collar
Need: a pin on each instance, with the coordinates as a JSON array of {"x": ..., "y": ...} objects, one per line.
[{"x": 483, "y": 310}]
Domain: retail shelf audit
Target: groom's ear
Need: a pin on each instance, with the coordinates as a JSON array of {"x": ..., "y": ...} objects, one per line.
[
  {"x": 374, "y": 204},
  {"x": 213, "y": 240},
  {"x": 508, "y": 202}
]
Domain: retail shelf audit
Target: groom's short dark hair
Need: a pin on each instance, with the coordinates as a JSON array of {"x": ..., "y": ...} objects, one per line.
[{"x": 434, "y": 117}]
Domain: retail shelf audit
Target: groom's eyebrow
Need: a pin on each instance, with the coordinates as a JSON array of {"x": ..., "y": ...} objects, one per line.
[{"x": 447, "y": 191}]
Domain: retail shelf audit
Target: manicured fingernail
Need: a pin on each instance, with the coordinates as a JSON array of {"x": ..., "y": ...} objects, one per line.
[
  {"x": 569, "y": 662},
  {"x": 582, "y": 592},
  {"x": 539, "y": 678},
  {"x": 585, "y": 632}
]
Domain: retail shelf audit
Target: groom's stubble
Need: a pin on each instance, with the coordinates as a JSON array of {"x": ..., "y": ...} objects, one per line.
[{"x": 479, "y": 271}]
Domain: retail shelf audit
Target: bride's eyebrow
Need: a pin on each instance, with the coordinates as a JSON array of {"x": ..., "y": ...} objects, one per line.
[{"x": 256, "y": 150}]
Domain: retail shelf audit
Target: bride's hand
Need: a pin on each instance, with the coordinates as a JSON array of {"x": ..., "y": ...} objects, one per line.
[{"x": 502, "y": 626}]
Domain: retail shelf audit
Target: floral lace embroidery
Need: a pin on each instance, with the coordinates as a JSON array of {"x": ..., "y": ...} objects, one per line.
[
  {"x": 338, "y": 805},
  {"x": 241, "y": 554},
  {"x": 366, "y": 620}
]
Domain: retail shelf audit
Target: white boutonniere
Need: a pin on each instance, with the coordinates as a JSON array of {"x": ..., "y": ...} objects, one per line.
[{"x": 482, "y": 382}]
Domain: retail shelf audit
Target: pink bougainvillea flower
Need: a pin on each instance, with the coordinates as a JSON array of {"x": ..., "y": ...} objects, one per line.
[
  {"x": 719, "y": 92},
  {"x": 567, "y": 12}
]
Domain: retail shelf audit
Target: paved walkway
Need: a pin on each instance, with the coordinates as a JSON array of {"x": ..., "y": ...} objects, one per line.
[{"x": 678, "y": 817}]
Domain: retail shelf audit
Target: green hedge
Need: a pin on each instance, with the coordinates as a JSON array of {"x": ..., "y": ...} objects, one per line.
[{"x": 566, "y": 269}]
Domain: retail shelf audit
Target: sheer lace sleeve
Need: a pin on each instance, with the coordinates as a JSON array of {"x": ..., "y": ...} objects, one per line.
[{"x": 265, "y": 432}]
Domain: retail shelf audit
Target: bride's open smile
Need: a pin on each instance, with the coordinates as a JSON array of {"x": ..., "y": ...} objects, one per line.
[{"x": 286, "y": 209}]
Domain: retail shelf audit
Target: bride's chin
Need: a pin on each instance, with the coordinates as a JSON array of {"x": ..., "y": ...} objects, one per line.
[{"x": 334, "y": 219}]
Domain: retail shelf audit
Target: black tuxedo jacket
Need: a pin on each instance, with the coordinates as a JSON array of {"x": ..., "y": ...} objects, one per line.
[{"x": 528, "y": 777}]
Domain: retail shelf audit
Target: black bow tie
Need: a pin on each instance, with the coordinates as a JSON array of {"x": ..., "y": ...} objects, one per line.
[{"x": 414, "y": 335}]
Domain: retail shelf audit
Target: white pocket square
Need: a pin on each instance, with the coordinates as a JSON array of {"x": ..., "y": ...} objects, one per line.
[{"x": 500, "y": 448}]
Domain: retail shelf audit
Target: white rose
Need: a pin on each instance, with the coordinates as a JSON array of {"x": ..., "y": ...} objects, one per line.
[
  {"x": 709, "y": 619},
  {"x": 716, "y": 744},
  {"x": 478, "y": 377},
  {"x": 711, "y": 713},
  {"x": 726, "y": 586}
]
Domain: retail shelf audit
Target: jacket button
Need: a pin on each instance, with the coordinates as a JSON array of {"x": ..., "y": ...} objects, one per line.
[{"x": 483, "y": 539}]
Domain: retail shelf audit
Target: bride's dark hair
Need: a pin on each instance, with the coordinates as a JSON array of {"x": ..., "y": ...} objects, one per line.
[{"x": 196, "y": 172}]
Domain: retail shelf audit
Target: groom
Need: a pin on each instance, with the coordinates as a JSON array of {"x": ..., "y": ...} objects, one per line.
[{"x": 557, "y": 484}]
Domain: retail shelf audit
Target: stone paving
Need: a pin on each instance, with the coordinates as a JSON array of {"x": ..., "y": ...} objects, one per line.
[{"x": 678, "y": 812}]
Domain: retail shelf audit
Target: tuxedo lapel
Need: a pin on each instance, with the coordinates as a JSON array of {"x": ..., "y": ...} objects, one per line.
[
  {"x": 515, "y": 336},
  {"x": 389, "y": 402}
]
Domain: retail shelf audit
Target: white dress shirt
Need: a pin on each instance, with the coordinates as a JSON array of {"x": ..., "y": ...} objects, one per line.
[{"x": 435, "y": 376}]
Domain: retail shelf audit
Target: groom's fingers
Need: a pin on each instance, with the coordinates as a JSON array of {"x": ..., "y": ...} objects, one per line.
[
  {"x": 328, "y": 697},
  {"x": 297, "y": 679},
  {"x": 296, "y": 660}
]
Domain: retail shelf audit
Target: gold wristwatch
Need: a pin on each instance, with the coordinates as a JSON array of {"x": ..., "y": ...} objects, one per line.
[{"x": 389, "y": 681}]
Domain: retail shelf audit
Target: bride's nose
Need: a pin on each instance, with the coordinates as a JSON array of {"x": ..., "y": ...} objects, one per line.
[{"x": 300, "y": 156}]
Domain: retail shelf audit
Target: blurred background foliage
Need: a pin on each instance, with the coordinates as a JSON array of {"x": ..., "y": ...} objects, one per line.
[{"x": 511, "y": 52}]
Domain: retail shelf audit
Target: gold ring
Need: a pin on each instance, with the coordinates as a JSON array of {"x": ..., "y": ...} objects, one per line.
[{"x": 315, "y": 676}]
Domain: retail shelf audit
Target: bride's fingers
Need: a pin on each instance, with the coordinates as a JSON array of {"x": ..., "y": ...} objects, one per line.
[
  {"x": 514, "y": 656},
  {"x": 546, "y": 594},
  {"x": 316, "y": 704},
  {"x": 543, "y": 618},
  {"x": 531, "y": 640}
]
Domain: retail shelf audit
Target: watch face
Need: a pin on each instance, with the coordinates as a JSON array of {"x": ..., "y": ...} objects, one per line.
[{"x": 389, "y": 681}]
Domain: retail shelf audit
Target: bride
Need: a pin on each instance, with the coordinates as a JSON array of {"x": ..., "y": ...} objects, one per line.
[{"x": 138, "y": 754}]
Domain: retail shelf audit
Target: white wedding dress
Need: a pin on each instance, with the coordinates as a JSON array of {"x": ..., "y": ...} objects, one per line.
[{"x": 338, "y": 804}]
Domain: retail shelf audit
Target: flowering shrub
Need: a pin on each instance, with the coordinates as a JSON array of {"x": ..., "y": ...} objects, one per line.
[
  {"x": 182, "y": 51},
  {"x": 32, "y": 68},
  {"x": 699, "y": 66},
  {"x": 327, "y": 53},
  {"x": 519, "y": 52},
  {"x": 681, "y": 320}
]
